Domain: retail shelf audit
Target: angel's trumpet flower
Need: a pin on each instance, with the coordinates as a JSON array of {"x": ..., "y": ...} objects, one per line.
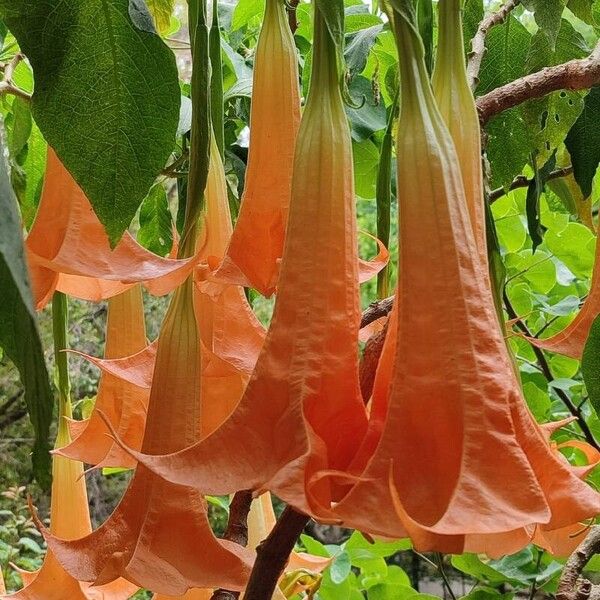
[
  {"x": 121, "y": 402},
  {"x": 257, "y": 243},
  {"x": 68, "y": 249},
  {"x": 69, "y": 518},
  {"x": 230, "y": 332},
  {"x": 445, "y": 383},
  {"x": 306, "y": 377},
  {"x": 457, "y": 105},
  {"x": 159, "y": 536}
]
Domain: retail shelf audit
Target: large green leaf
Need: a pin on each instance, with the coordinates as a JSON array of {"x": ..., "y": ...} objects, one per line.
[
  {"x": 107, "y": 101},
  {"x": 590, "y": 365},
  {"x": 583, "y": 142},
  {"x": 156, "y": 223},
  {"x": 548, "y": 14},
  {"x": 18, "y": 328}
]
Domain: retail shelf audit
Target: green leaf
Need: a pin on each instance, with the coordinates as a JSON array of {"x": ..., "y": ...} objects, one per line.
[
  {"x": 378, "y": 548},
  {"x": 340, "y": 567},
  {"x": 590, "y": 365},
  {"x": 548, "y": 14},
  {"x": 583, "y": 142},
  {"x": 313, "y": 546},
  {"x": 108, "y": 103},
  {"x": 156, "y": 224},
  {"x": 366, "y": 164},
  {"x": 368, "y": 116},
  {"x": 19, "y": 335},
  {"x": 358, "y": 46},
  {"x": 505, "y": 59},
  {"x": 161, "y": 11},
  {"x": 473, "y": 14},
  {"x": 245, "y": 11}
]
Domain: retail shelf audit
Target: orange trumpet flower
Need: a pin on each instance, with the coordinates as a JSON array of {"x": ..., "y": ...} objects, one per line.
[
  {"x": 256, "y": 247},
  {"x": 68, "y": 249},
  {"x": 121, "y": 402},
  {"x": 445, "y": 383},
  {"x": 306, "y": 377},
  {"x": 457, "y": 105},
  {"x": 159, "y": 536},
  {"x": 69, "y": 518}
]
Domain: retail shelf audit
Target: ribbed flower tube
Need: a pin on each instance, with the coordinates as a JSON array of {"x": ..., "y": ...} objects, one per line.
[
  {"x": 453, "y": 455},
  {"x": 306, "y": 377},
  {"x": 457, "y": 106},
  {"x": 257, "y": 243}
]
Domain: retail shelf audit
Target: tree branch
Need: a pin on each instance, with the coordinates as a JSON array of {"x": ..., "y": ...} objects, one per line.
[
  {"x": 578, "y": 74},
  {"x": 571, "y": 585},
  {"x": 237, "y": 531},
  {"x": 292, "y": 5},
  {"x": 273, "y": 553},
  {"x": 521, "y": 181},
  {"x": 376, "y": 310},
  {"x": 478, "y": 42}
]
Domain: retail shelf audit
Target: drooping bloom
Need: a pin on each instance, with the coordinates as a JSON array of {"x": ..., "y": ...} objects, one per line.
[
  {"x": 123, "y": 403},
  {"x": 68, "y": 249},
  {"x": 306, "y": 377},
  {"x": 257, "y": 244},
  {"x": 457, "y": 106},
  {"x": 69, "y": 518},
  {"x": 445, "y": 383},
  {"x": 159, "y": 535}
]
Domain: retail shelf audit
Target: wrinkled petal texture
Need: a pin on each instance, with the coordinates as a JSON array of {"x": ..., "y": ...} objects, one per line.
[
  {"x": 68, "y": 249},
  {"x": 457, "y": 455},
  {"x": 306, "y": 376},
  {"x": 121, "y": 402}
]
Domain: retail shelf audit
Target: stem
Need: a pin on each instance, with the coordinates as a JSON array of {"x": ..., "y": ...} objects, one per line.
[
  {"x": 216, "y": 82},
  {"x": 60, "y": 320},
  {"x": 201, "y": 127},
  {"x": 440, "y": 566}
]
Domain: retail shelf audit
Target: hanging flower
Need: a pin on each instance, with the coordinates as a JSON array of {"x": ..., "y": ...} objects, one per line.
[
  {"x": 69, "y": 518},
  {"x": 445, "y": 384},
  {"x": 121, "y": 402},
  {"x": 256, "y": 247},
  {"x": 306, "y": 377},
  {"x": 68, "y": 249}
]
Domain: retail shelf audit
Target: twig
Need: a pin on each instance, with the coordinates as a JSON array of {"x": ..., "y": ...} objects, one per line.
[
  {"x": 571, "y": 585},
  {"x": 440, "y": 567},
  {"x": 534, "y": 586},
  {"x": 7, "y": 86},
  {"x": 545, "y": 367},
  {"x": 292, "y": 5},
  {"x": 376, "y": 310},
  {"x": 369, "y": 362},
  {"x": 574, "y": 75},
  {"x": 237, "y": 531},
  {"x": 478, "y": 42},
  {"x": 522, "y": 181},
  {"x": 273, "y": 553}
]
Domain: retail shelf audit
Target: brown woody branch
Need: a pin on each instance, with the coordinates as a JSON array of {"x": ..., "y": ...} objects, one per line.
[
  {"x": 571, "y": 585},
  {"x": 292, "y": 5},
  {"x": 237, "y": 531},
  {"x": 273, "y": 554},
  {"x": 523, "y": 181},
  {"x": 578, "y": 74},
  {"x": 478, "y": 42}
]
